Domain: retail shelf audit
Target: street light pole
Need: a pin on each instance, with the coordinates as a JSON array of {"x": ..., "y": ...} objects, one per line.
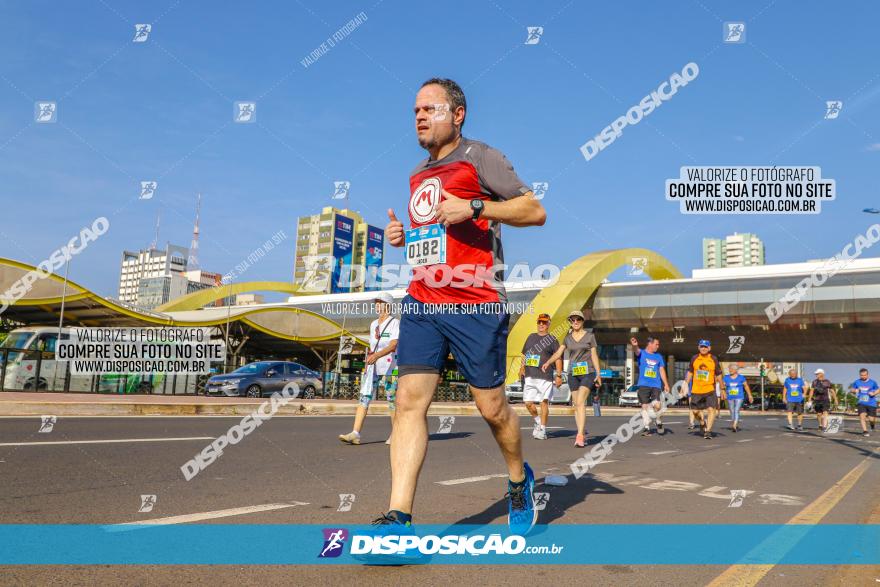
[
  {"x": 61, "y": 318},
  {"x": 762, "y": 383},
  {"x": 63, "y": 295}
]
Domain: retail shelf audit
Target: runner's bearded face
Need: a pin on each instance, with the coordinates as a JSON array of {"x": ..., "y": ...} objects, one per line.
[{"x": 434, "y": 121}]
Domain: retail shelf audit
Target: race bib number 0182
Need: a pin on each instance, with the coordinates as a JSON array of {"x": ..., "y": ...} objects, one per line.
[{"x": 426, "y": 245}]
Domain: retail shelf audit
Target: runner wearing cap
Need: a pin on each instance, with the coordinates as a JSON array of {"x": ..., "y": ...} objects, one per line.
[
  {"x": 379, "y": 367},
  {"x": 538, "y": 383},
  {"x": 822, "y": 394},
  {"x": 460, "y": 195},
  {"x": 734, "y": 386},
  {"x": 866, "y": 391},
  {"x": 583, "y": 369},
  {"x": 652, "y": 373},
  {"x": 794, "y": 399},
  {"x": 704, "y": 372}
]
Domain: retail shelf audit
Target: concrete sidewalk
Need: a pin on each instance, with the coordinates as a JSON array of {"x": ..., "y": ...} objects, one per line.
[{"x": 22, "y": 403}]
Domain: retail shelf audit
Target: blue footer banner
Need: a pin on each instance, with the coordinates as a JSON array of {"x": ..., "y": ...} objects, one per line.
[{"x": 587, "y": 544}]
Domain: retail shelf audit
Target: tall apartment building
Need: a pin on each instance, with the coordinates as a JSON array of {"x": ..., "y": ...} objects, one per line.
[
  {"x": 147, "y": 264},
  {"x": 331, "y": 240},
  {"x": 155, "y": 291},
  {"x": 735, "y": 250}
]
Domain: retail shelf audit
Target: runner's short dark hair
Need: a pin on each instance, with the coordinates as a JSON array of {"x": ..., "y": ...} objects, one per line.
[
  {"x": 863, "y": 370},
  {"x": 651, "y": 339},
  {"x": 453, "y": 92}
]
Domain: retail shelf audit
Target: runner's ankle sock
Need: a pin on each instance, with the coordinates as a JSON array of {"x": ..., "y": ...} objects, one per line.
[
  {"x": 538, "y": 420},
  {"x": 402, "y": 517},
  {"x": 517, "y": 484}
]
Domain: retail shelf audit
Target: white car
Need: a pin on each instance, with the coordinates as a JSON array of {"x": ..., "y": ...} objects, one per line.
[
  {"x": 629, "y": 398},
  {"x": 561, "y": 394}
]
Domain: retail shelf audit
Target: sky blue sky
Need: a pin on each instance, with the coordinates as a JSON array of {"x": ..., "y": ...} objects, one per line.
[{"x": 163, "y": 110}]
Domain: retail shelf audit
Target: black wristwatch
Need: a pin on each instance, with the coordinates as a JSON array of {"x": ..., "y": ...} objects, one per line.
[{"x": 477, "y": 206}]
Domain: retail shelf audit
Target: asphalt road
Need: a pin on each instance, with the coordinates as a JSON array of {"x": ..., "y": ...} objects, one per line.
[{"x": 297, "y": 462}]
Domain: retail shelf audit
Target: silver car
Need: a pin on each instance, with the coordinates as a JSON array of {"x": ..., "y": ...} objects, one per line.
[
  {"x": 629, "y": 398},
  {"x": 265, "y": 378}
]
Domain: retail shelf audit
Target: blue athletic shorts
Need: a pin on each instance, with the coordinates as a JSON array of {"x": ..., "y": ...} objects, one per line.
[{"x": 475, "y": 333}]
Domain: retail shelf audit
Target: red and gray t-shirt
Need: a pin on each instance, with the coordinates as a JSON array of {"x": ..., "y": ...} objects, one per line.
[{"x": 473, "y": 170}]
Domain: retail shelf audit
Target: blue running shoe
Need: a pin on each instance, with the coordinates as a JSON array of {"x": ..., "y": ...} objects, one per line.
[
  {"x": 389, "y": 525},
  {"x": 521, "y": 512}
]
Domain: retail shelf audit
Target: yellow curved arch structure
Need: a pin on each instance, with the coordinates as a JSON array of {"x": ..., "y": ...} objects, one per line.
[
  {"x": 203, "y": 297},
  {"x": 577, "y": 282}
]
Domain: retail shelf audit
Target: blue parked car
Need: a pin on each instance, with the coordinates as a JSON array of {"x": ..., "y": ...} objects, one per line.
[{"x": 265, "y": 378}]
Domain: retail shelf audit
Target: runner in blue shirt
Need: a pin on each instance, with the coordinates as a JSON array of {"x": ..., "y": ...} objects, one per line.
[
  {"x": 866, "y": 391},
  {"x": 794, "y": 398},
  {"x": 652, "y": 374},
  {"x": 735, "y": 389}
]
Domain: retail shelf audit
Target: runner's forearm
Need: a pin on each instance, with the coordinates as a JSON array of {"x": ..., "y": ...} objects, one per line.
[
  {"x": 522, "y": 211},
  {"x": 387, "y": 350},
  {"x": 557, "y": 354}
]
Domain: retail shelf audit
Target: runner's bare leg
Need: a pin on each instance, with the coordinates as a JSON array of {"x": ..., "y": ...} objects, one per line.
[
  {"x": 580, "y": 408},
  {"x": 711, "y": 419},
  {"x": 359, "y": 418},
  {"x": 504, "y": 423},
  {"x": 414, "y": 394}
]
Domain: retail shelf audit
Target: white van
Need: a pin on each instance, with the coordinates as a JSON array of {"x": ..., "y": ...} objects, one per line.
[{"x": 21, "y": 369}]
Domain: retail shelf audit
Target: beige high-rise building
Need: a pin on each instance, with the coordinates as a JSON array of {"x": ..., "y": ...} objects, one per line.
[
  {"x": 735, "y": 250},
  {"x": 329, "y": 240}
]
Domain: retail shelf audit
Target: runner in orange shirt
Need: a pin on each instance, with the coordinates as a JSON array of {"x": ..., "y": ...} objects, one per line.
[{"x": 704, "y": 372}]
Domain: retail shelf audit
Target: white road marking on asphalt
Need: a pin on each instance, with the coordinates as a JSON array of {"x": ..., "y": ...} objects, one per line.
[
  {"x": 713, "y": 492},
  {"x": 771, "y": 419},
  {"x": 471, "y": 479},
  {"x": 548, "y": 428},
  {"x": 770, "y": 436},
  {"x": 109, "y": 441},
  {"x": 183, "y": 519},
  {"x": 746, "y": 440},
  {"x": 663, "y": 452}
]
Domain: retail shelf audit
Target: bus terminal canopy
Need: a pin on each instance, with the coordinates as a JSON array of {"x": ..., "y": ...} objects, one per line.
[{"x": 278, "y": 329}]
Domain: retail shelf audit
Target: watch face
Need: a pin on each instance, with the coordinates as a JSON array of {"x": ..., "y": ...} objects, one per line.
[{"x": 477, "y": 204}]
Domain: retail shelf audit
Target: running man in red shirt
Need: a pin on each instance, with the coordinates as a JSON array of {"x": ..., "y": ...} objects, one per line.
[{"x": 460, "y": 195}]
